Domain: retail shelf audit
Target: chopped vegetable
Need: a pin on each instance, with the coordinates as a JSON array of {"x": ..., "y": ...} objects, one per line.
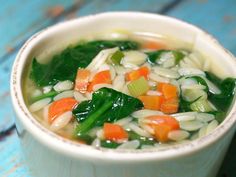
[
  {"x": 169, "y": 91},
  {"x": 142, "y": 140},
  {"x": 170, "y": 106},
  {"x": 116, "y": 57},
  {"x": 201, "y": 105},
  {"x": 162, "y": 125},
  {"x": 136, "y": 74},
  {"x": 107, "y": 105},
  {"x": 114, "y": 132},
  {"x": 138, "y": 87},
  {"x": 59, "y": 107},
  {"x": 82, "y": 80},
  {"x": 109, "y": 144},
  {"x": 102, "y": 77},
  {"x": 152, "y": 102}
]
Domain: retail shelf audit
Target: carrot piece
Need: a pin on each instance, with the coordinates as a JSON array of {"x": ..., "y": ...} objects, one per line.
[
  {"x": 161, "y": 132},
  {"x": 153, "y": 45},
  {"x": 165, "y": 120},
  {"x": 114, "y": 132},
  {"x": 170, "y": 106},
  {"x": 168, "y": 90},
  {"x": 162, "y": 125},
  {"x": 151, "y": 102},
  {"x": 59, "y": 107},
  {"x": 102, "y": 77},
  {"x": 136, "y": 74},
  {"x": 82, "y": 80}
]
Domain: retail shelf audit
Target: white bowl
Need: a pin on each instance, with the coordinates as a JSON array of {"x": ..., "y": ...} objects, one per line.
[{"x": 49, "y": 155}]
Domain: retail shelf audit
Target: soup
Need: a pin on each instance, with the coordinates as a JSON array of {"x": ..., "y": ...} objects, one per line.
[{"x": 135, "y": 93}]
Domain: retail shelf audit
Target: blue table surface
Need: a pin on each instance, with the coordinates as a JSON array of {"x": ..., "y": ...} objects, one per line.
[{"x": 20, "y": 19}]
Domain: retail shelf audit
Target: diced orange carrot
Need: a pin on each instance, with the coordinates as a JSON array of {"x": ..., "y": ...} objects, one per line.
[
  {"x": 170, "y": 106},
  {"x": 161, "y": 132},
  {"x": 59, "y": 107},
  {"x": 136, "y": 74},
  {"x": 114, "y": 132},
  {"x": 168, "y": 90},
  {"x": 82, "y": 80},
  {"x": 162, "y": 125},
  {"x": 154, "y": 45},
  {"x": 164, "y": 119},
  {"x": 151, "y": 102},
  {"x": 102, "y": 77}
]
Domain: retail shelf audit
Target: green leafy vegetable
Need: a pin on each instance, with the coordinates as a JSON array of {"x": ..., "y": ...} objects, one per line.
[
  {"x": 154, "y": 57},
  {"x": 64, "y": 66},
  {"x": 107, "y": 105}
]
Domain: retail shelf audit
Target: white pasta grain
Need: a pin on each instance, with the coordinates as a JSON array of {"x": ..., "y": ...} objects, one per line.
[
  {"x": 205, "y": 117},
  {"x": 186, "y": 116},
  {"x": 178, "y": 135},
  {"x": 36, "y": 106},
  {"x": 63, "y": 85},
  {"x": 119, "y": 82},
  {"x": 134, "y": 127},
  {"x": 211, "y": 126},
  {"x": 65, "y": 94},
  {"x": 134, "y": 144},
  {"x": 124, "y": 121},
  {"x": 79, "y": 96},
  {"x": 190, "y": 71},
  {"x": 133, "y": 58},
  {"x": 192, "y": 125},
  {"x": 145, "y": 113},
  {"x": 61, "y": 121},
  {"x": 157, "y": 78},
  {"x": 112, "y": 72},
  {"x": 202, "y": 132},
  {"x": 166, "y": 72}
]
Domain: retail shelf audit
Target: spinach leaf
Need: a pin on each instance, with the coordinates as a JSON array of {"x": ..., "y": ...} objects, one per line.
[
  {"x": 107, "y": 105},
  {"x": 184, "y": 106},
  {"x": 223, "y": 100},
  {"x": 50, "y": 94},
  {"x": 154, "y": 56},
  {"x": 64, "y": 66}
]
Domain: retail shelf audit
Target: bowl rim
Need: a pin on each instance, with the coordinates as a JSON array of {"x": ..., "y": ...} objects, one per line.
[{"x": 76, "y": 150}]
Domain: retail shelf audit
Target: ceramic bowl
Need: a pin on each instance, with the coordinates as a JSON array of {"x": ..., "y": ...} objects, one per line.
[{"x": 49, "y": 155}]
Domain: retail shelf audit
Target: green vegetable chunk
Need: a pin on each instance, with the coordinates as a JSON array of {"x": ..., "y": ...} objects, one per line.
[
  {"x": 116, "y": 57},
  {"x": 142, "y": 140},
  {"x": 138, "y": 87},
  {"x": 201, "y": 105},
  {"x": 107, "y": 105},
  {"x": 64, "y": 66}
]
